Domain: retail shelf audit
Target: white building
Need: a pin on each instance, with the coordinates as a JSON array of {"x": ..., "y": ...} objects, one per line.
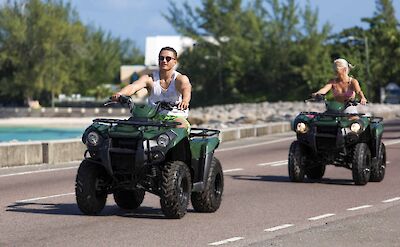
[{"x": 155, "y": 43}]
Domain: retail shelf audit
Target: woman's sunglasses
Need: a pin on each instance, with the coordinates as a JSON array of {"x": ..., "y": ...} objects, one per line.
[{"x": 168, "y": 58}]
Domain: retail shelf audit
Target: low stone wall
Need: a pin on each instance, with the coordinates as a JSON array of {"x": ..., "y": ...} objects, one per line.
[
  {"x": 52, "y": 152},
  {"x": 9, "y": 112}
]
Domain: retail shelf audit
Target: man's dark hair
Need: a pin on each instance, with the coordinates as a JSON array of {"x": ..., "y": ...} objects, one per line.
[{"x": 167, "y": 48}]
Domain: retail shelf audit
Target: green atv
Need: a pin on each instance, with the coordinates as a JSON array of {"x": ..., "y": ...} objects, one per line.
[
  {"x": 353, "y": 141},
  {"x": 129, "y": 157}
]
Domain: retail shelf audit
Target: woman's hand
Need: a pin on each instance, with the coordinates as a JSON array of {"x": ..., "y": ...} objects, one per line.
[{"x": 363, "y": 101}]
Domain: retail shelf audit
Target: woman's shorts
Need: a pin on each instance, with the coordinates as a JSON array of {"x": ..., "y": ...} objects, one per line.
[{"x": 351, "y": 109}]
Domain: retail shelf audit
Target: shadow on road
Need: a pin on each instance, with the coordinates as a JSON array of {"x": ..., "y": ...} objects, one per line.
[
  {"x": 285, "y": 179},
  {"x": 49, "y": 208},
  {"x": 72, "y": 209}
]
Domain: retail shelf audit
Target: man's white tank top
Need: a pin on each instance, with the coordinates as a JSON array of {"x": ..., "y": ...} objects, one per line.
[{"x": 171, "y": 95}]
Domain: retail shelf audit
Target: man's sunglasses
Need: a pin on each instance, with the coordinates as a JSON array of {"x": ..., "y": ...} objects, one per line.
[{"x": 168, "y": 58}]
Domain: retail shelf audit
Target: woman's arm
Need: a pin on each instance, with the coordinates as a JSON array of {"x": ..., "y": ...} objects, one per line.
[
  {"x": 325, "y": 89},
  {"x": 358, "y": 91}
]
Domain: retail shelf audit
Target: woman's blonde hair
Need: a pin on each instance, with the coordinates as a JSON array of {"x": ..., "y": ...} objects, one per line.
[{"x": 340, "y": 63}]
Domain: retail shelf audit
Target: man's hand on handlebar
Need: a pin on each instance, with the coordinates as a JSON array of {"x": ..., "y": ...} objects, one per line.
[
  {"x": 183, "y": 105},
  {"x": 115, "y": 97}
]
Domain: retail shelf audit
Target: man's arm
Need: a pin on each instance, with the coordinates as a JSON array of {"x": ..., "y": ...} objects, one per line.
[
  {"x": 185, "y": 88},
  {"x": 130, "y": 89}
]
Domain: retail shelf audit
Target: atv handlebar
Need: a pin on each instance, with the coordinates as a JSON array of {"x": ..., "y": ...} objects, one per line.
[
  {"x": 316, "y": 98},
  {"x": 122, "y": 99},
  {"x": 321, "y": 98}
]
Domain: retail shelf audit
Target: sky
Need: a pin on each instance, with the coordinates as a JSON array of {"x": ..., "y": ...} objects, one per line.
[{"x": 137, "y": 19}]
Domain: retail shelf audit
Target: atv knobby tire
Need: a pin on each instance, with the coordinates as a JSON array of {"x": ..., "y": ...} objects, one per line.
[
  {"x": 361, "y": 165},
  {"x": 379, "y": 167},
  {"x": 90, "y": 191},
  {"x": 209, "y": 200},
  {"x": 129, "y": 199},
  {"x": 176, "y": 187},
  {"x": 296, "y": 162}
]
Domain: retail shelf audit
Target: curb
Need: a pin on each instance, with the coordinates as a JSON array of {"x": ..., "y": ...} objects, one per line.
[{"x": 54, "y": 152}]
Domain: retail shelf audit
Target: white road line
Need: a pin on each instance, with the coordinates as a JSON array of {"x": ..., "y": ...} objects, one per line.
[
  {"x": 392, "y": 142},
  {"x": 39, "y": 171},
  {"x": 256, "y": 144},
  {"x": 391, "y": 200},
  {"x": 274, "y": 163},
  {"x": 276, "y": 228},
  {"x": 229, "y": 240},
  {"x": 321, "y": 217},
  {"x": 358, "y": 208},
  {"x": 281, "y": 164},
  {"x": 44, "y": 197},
  {"x": 233, "y": 170}
]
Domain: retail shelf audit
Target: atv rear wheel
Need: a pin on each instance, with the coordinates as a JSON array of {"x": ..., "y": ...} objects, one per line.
[
  {"x": 90, "y": 189},
  {"x": 209, "y": 200},
  {"x": 296, "y": 162},
  {"x": 316, "y": 172},
  {"x": 361, "y": 164},
  {"x": 129, "y": 199},
  {"x": 379, "y": 167},
  {"x": 176, "y": 187}
]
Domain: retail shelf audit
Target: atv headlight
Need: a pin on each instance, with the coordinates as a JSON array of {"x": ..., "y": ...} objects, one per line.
[
  {"x": 301, "y": 128},
  {"x": 93, "y": 138},
  {"x": 163, "y": 140},
  {"x": 355, "y": 127}
]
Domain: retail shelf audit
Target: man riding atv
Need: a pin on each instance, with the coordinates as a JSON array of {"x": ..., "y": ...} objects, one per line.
[
  {"x": 165, "y": 85},
  {"x": 151, "y": 151}
]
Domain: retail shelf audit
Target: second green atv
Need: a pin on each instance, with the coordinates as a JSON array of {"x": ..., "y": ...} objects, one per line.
[{"x": 353, "y": 141}]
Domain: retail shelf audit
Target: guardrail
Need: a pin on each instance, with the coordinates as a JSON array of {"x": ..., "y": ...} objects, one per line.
[{"x": 52, "y": 152}]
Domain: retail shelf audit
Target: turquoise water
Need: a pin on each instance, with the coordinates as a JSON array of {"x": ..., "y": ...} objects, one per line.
[{"x": 38, "y": 133}]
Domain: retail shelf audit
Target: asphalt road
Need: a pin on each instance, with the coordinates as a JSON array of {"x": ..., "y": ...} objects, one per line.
[{"x": 260, "y": 206}]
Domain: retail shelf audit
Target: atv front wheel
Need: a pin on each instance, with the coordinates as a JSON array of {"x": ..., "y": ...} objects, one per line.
[
  {"x": 209, "y": 200},
  {"x": 90, "y": 189},
  {"x": 129, "y": 199},
  {"x": 176, "y": 187},
  {"x": 379, "y": 167},
  {"x": 361, "y": 164},
  {"x": 296, "y": 162}
]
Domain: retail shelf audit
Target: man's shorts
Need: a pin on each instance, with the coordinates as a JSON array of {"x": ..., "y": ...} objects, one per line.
[{"x": 170, "y": 118}]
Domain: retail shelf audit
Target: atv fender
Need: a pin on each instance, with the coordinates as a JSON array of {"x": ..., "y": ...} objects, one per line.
[
  {"x": 377, "y": 131},
  {"x": 202, "y": 150}
]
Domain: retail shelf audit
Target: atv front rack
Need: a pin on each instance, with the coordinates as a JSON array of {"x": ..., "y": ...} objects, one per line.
[
  {"x": 166, "y": 124},
  {"x": 199, "y": 132},
  {"x": 334, "y": 114}
]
